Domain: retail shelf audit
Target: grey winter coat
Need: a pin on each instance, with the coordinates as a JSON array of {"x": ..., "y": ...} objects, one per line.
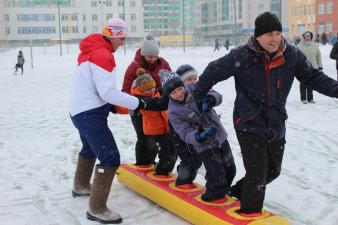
[
  {"x": 312, "y": 53},
  {"x": 187, "y": 120}
]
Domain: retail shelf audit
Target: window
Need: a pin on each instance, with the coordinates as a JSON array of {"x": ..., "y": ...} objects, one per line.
[
  {"x": 84, "y": 17},
  {"x": 93, "y": 3},
  {"x": 121, "y": 3},
  {"x": 8, "y": 30},
  {"x": 64, "y": 17},
  {"x": 84, "y": 29},
  {"x": 94, "y": 17},
  {"x": 321, "y": 28},
  {"x": 132, "y": 4},
  {"x": 133, "y": 17},
  {"x": 329, "y": 7},
  {"x": 121, "y": 16},
  {"x": 329, "y": 27},
  {"x": 64, "y": 29},
  {"x": 133, "y": 29},
  {"x": 321, "y": 9},
  {"x": 74, "y": 17},
  {"x": 109, "y": 3},
  {"x": 6, "y": 17}
]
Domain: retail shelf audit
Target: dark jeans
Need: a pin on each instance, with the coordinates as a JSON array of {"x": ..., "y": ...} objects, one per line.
[
  {"x": 221, "y": 170},
  {"x": 96, "y": 137},
  {"x": 306, "y": 93},
  {"x": 17, "y": 66},
  {"x": 144, "y": 155},
  {"x": 262, "y": 162}
]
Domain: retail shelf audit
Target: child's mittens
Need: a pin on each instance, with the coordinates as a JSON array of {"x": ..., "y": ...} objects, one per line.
[
  {"x": 207, "y": 103},
  {"x": 209, "y": 132}
]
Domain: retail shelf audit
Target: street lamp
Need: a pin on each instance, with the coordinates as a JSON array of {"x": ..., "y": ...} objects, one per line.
[
  {"x": 59, "y": 28},
  {"x": 183, "y": 26}
]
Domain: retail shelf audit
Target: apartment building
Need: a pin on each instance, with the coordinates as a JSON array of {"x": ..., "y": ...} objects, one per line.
[
  {"x": 234, "y": 19},
  {"x": 327, "y": 21},
  {"x": 42, "y": 20},
  {"x": 165, "y": 17},
  {"x": 302, "y": 17}
]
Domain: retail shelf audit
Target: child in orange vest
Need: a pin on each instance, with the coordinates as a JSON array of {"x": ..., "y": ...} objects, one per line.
[{"x": 155, "y": 126}]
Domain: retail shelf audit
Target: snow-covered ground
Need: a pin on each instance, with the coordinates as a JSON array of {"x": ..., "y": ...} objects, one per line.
[{"x": 39, "y": 146}]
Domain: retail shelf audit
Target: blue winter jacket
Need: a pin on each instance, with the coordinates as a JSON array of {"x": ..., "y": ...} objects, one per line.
[
  {"x": 187, "y": 120},
  {"x": 263, "y": 85}
]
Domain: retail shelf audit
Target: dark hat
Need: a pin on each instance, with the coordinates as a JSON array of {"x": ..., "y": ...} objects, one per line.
[
  {"x": 185, "y": 71},
  {"x": 267, "y": 22},
  {"x": 169, "y": 81},
  {"x": 143, "y": 81},
  {"x": 150, "y": 46},
  {"x": 308, "y": 32}
]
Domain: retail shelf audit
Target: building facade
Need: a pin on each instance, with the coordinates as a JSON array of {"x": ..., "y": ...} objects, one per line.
[
  {"x": 327, "y": 21},
  {"x": 41, "y": 20},
  {"x": 302, "y": 17},
  {"x": 234, "y": 19}
]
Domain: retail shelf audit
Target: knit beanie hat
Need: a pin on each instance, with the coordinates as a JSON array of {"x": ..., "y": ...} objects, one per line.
[
  {"x": 150, "y": 46},
  {"x": 143, "y": 81},
  {"x": 169, "y": 81},
  {"x": 185, "y": 71},
  {"x": 267, "y": 22},
  {"x": 309, "y": 33},
  {"x": 115, "y": 27}
]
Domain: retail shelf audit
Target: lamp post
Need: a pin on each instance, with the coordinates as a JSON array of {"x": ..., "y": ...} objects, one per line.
[
  {"x": 183, "y": 11},
  {"x": 59, "y": 28},
  {"x": 124, "y": 17}
]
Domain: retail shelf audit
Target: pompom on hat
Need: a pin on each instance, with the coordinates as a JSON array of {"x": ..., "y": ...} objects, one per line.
[
  {"x": 143, "y": 81},
  {"x": 115, "y": 27}
]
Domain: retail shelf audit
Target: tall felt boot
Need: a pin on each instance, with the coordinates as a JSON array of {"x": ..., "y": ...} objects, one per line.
[
  {"x": 98, "y": 210},
  {"x": 84, "y": 170}
]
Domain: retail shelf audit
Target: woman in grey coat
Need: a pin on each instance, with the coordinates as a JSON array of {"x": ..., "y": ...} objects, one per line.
[{"x": 204, "y": 131}]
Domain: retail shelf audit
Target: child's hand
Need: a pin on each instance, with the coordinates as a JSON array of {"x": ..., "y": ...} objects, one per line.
[
  {"x": 209, "y": 132},
  {"x": 207, "y": 103}
]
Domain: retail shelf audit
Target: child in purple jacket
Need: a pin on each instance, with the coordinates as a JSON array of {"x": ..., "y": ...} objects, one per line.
[{"x": 202, "y": 130}]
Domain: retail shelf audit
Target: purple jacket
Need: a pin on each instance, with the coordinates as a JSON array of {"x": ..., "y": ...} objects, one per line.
[{"x": 187, "y": 120}]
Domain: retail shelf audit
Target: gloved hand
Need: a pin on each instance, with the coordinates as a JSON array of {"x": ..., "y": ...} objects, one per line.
[
  {"x": 209, "y": 132},
  {"x": 320, "y": 68},
  {"x": 141, "y": 105},
  {"x": 113, "y": 109},
  {"x": 207, "y": 103}
]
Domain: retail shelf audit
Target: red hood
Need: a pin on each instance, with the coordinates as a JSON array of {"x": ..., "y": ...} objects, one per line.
[
  {"x": 92, "y": 43},
  {"x": 96, "y": 49}
]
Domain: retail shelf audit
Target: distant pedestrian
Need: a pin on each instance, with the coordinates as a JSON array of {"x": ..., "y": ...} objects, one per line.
[
  {"x": 313, "y": 56},
  {"x": 216, "y": 45},
  {"x": 227, "y": 44},
  {"x": 19, "y": 64}
]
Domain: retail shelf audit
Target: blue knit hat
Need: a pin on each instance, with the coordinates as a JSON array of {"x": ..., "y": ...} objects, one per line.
[{"x": 169, "y": 81}]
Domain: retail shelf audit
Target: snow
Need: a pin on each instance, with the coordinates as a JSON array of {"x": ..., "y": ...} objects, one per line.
[{"x": 39, "y": 146}]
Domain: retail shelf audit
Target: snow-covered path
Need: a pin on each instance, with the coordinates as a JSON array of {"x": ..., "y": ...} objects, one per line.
[{"x": 39, "y": 146}]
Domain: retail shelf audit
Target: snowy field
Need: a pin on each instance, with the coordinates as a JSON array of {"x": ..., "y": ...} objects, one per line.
[{"x": 39, "y": 146}]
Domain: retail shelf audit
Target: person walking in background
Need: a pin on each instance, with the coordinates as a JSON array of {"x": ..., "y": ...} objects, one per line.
[
  {"x": 20, "y": 62},
  {"x": 147, "y": 57},
  {"x": 312, "y": 54},
  {"x": 334, "y": 54},
  {"x": 227, "y": 44},
  {"x": 217, "y": 45},
  {"x": 264, "y": 70},
  {"x": 202, "y": 130},
  {"x": 92, "y": 95}
]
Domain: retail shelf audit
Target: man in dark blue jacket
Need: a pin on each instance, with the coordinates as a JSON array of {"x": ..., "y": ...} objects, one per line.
[{"x": 264, "y": 70}]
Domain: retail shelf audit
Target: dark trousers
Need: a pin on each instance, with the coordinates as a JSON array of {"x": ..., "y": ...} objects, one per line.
[
  {"x": 17, "y": 66},
  {"x": 220, "y": 171},
  {"x": 262, "y": 162},
  {"x": 306, "y": 93},
  {"x": 144, "y": 155},
  {"x": 167, "y": 156},
  {"x": 96, "y": 137}
]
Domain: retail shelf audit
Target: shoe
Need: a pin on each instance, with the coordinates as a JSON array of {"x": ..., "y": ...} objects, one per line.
[
  {"x": 207, "y": 197},
  {"x": 253, "y": 214},
  {"x": 304, "y": 101},
  {"x": 312, "y": 101}
]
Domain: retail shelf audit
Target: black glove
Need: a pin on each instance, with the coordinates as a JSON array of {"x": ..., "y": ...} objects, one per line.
[
  {"x": 207, "y": 103},
  {"x": 209, "y": 132},
  {"x": 320, "y": 68},
  {"x": 112, "y": 109},
  {"x": 142, "y": 104}
]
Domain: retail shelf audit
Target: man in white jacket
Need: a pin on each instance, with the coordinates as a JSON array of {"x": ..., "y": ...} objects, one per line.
[
  {"x": 93, "y": 94},
  {"x": 312, "y": 54}
]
